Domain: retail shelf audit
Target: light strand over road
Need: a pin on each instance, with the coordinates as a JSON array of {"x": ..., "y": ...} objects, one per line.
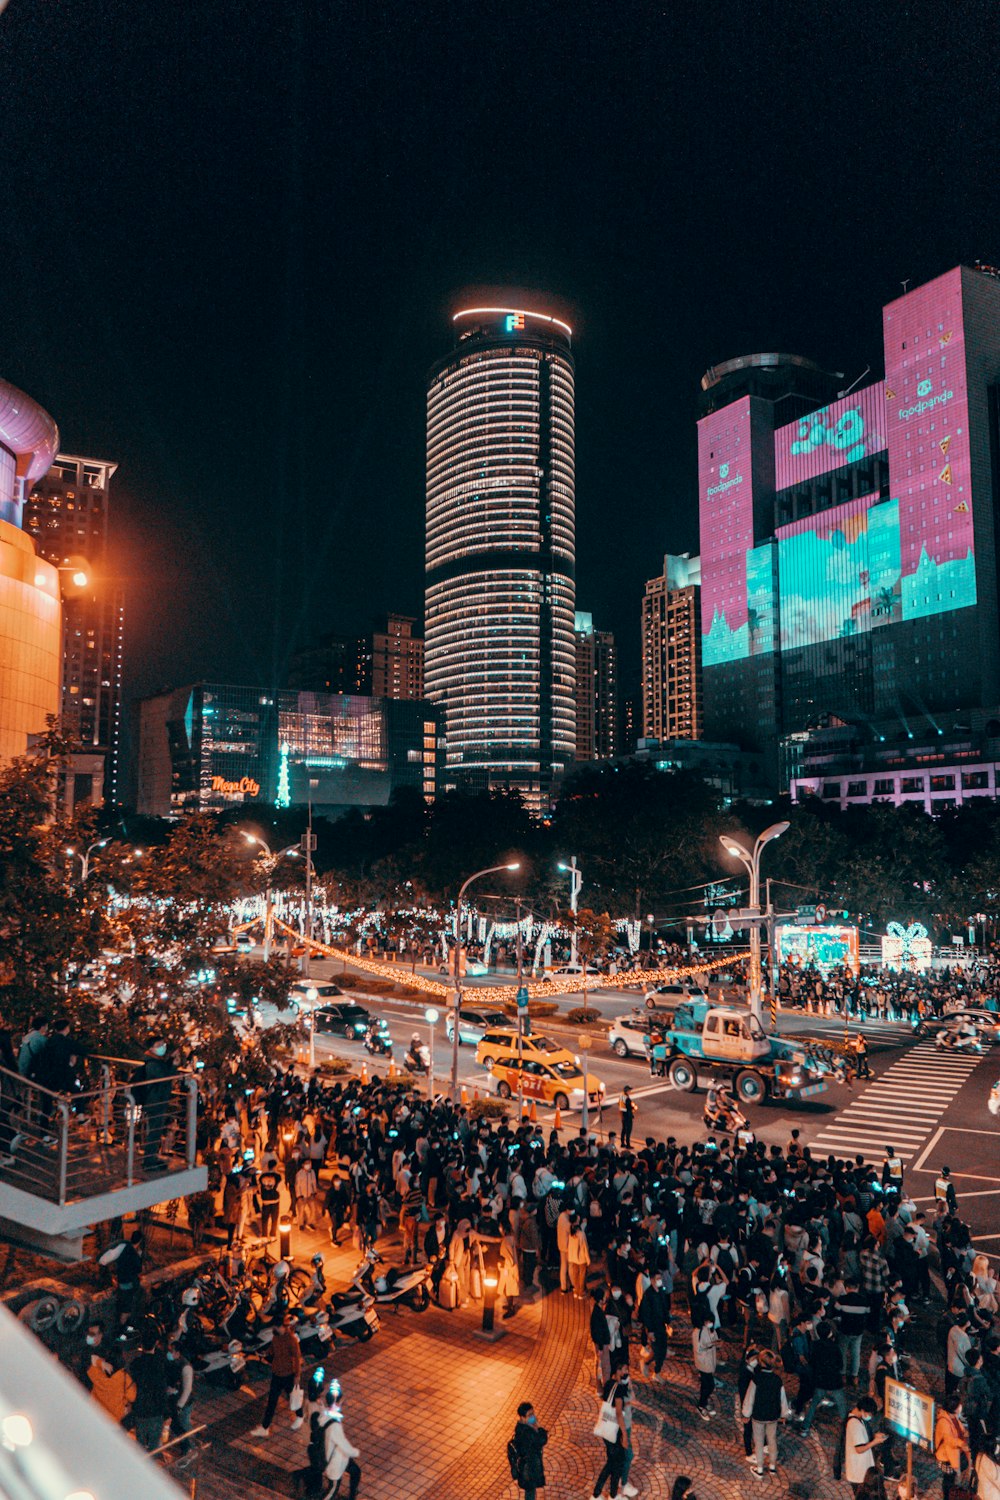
[{"x": 506, "y": 994}]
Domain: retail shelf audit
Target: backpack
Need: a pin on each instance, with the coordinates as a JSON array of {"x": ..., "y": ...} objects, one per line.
[{"x": 514, "y": 1458}]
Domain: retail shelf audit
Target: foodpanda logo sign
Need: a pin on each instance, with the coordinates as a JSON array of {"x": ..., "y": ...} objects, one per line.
[
  {"x": 926, "y": 400},
  {"x": 725, "y": 483}
]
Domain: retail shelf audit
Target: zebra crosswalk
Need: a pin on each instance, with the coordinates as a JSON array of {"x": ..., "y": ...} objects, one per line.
[
  {"x": 891, "y": 1033},
  {"x": 900, "y": 1108}
]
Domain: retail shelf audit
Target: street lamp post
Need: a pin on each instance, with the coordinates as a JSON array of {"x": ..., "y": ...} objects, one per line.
[
  {"x": 85, "y": 857},
  {"x": 431, "y": 1015},
  {"x": 575, "y": 882},
  {"x": 292, "y": 850},
  {"x": 459, "y": 944},
  {"x": 751, "y": 863}
]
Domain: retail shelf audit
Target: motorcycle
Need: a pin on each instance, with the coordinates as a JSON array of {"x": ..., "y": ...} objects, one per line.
[
  {"x": 353, "y": 1315},
  {"x": 417, "y": 1058},
  {"x": 378, "y": 1040},
  {"x": 729, "y": 1121},
  {"x": 961, "y": 1040},
  {"x": 409, "y": 1284}
]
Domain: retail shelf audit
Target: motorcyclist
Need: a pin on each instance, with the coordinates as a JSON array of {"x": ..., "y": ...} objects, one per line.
[
  {"x": 720, "y": 1109},
  {"x": 377, "y": 1038},
  {"x": 415, "y": 1056}
]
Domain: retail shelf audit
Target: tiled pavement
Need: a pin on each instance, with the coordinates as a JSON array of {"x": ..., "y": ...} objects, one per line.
[{"x": 431, "y": 1406}]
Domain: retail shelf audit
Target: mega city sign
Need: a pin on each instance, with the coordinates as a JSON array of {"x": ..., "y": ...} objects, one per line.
[{"x": 245, "y": 787}]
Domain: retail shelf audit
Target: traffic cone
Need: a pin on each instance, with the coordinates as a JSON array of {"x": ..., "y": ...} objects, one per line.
[
  {"x": 557, "y": 1122},
  {"x": 465, "y": 1094},
  {"x": 364, "y": 1073},
  {"x": 392, "y": 1067},
  {"x": 534, "y": 1113}
]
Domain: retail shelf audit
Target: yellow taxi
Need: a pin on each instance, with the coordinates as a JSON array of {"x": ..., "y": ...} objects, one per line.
[
  {"x": 500, "y": 1043},
  {"x": 559, "y": 1083}
]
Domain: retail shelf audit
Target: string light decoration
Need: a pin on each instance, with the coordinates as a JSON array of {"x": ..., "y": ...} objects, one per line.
[{"x": 506, "y": 994}]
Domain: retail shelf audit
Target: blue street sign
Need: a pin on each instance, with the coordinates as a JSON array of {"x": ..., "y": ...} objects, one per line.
[{"x": 522, "y": 998}]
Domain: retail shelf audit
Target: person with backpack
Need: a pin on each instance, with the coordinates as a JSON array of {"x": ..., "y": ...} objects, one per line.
[
  {"x": 618, "y": 1451},
  {"x": 524, "y": 1451},
  {"x": 765, "y": 1403},
  {"x": 827, "y": 1371}
]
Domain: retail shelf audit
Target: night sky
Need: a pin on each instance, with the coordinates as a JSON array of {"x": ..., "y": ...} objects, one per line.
[{"x": 231, "y": 235}]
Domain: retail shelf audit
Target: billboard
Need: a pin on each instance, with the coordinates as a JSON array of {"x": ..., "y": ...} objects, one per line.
[
  {"x": 840, "y": 572},
  {"x": 844, "y": 432},
  {"x": 725, "y": 509},
  {"x": 823, "y": 948},
  {"x": 927, "y": 415}
]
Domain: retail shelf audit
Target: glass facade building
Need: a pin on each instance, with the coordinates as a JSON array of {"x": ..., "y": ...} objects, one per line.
[
  {"x": 501, "y": 551},
  {"x": 210, "y": 745}
]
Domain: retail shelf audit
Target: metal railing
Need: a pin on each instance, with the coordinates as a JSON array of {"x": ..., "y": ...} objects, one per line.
[{"x": 66, "y": 1147}]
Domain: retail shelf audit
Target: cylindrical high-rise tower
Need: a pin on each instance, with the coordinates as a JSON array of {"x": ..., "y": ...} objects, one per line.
[{"x": 500, "y": 559}]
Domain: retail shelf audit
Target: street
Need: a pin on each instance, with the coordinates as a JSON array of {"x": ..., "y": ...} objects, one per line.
[{"x": 929, "y": 1105}]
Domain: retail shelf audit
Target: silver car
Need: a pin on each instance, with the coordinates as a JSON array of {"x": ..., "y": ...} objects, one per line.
[{"x": 474, "y": 1024}]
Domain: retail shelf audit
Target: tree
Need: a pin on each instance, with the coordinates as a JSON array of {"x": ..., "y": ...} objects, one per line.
[{"x": 595, "y": 935}]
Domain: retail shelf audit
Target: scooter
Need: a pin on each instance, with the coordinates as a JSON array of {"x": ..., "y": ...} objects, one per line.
[
  {"x": 959, "y": 1041},
  {"x": 353, "y": 1316},
  {"x": 378, "y": 1040},
  {"x": 417, "y": 1058},
  {"x": 409, "y": 1284}
]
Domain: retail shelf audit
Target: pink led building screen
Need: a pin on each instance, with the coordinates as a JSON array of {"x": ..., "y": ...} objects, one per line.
[
  {"x": 726, "y": 523},
  {"x": 927, "y": 415},
  {"x": 845, "y": 432}
]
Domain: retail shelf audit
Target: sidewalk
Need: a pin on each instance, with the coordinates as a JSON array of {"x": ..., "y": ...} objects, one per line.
[{"x": 431, "y": 1406}]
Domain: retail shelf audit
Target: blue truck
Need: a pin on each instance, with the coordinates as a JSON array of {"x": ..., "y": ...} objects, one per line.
[{"x": 725, "y": 1044}]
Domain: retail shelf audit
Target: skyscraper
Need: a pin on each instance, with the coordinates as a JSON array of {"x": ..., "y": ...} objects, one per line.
[
  {"x": 500, "y": 551},
  {"x": 397, "y": 660},
  {"x": 586, "y": 698},
  {"x": 849, "y": 552},
  {"x": 671, "y": 652},
  {"x": 67, "y": 515},
  {"x": 606, "y": 706}
]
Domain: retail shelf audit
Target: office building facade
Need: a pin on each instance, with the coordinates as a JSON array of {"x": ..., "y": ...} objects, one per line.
[
  {"x": 398, "y": 660},
  {"x": 501, "y": 550},
  {"x": 333, "y": 664},
  {"x": 848, "y": 556},
  {"x": 30, "y": 613},
  {"x": 208, "y": 746},
  {"x": 607, "y": 742},
  {"x": 586, "y": 698},
  {"x": 67, "y": 515},
  {"x": 671, "y": 651}
]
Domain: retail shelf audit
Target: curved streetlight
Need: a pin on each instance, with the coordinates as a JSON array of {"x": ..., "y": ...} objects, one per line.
[
  {"x": 459, "y": 945},
  {"x": 751, "y": 863},
  {"x": 292, "y": 850},
  {"x": 575, "y": 882},
  {"x": 85, "y": 857}
]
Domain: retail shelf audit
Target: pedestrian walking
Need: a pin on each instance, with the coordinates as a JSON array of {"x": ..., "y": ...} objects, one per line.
[
  {"x": 766, "y": 1403},
  {"x": 341, "y": 1455},
  {"x": 654, "y": 1311},
  {"x": 705, "y": 1344},
  {"x": 286, "y": 1373},
  {"x": 306, "y": 1190},
  {"x": 529, "y": 1439},
  {"x": 616, "y": 1413}
]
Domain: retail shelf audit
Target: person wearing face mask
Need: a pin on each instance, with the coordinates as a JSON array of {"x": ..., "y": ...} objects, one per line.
[
  {"x": 527, "y": 1443},
  {"x": 951, "y": 1443},
  {"x": 153, "y": 1092},
  {"x": 111, "y": 1386},
  {"x": 619, "y": 1454},
  {"x": 654, "y": 1310}
]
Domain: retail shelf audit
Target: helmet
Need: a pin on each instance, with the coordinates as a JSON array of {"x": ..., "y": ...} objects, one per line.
[
  {"x": 415, "y": 1037},
  {"x": 317, "y": 1259},
  {"x": 281, "y": 1270},
  {"x": 191, "y": 1297}
]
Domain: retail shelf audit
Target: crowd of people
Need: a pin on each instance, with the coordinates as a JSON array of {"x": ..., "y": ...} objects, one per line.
[
  {"x": 890, "y": 994},
  {"x": 802, "y": 1277}
]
